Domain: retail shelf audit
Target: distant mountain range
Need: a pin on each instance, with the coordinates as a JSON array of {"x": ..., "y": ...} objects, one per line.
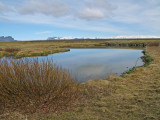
[
  {"x": 6, "y": 39},
  {"x": 10, "y": 38},
  {"x": 116, "y": 37}
]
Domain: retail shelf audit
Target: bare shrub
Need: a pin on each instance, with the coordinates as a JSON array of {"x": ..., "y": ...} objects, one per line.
[{"x": 30, "y": 86}]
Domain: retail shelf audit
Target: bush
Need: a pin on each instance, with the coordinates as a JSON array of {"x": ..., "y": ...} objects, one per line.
[
  {"x": 11, "y": 49},
  {"x": 29, "y": 86},
  {"x": 1, "y": 49}
]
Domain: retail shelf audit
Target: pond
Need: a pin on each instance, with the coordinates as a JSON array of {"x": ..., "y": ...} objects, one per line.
[{"x": 86, "y": 64}]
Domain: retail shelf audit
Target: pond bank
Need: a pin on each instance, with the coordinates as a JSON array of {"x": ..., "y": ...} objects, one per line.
[
  {"x": 134, "y": 96},
  {"x": 147, "y": 59}
]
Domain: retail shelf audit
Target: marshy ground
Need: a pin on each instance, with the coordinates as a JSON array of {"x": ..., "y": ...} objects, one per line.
[{"x": 135, "y": 96}]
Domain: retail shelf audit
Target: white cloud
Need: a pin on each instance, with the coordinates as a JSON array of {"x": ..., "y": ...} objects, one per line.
[
  {"x": 4, "y": 19},
  {"x": 3, "y": 8},
  {"x": 87, "y": 10},
  {"x": 105, "y": 4},
  {"x": 94, "y": 10},
  {"x": 127, "y": 12},
  {"x": 55, "y": 8},
  {"x": 144, "y": 14},
  {"x": 116, "y": 16},
  {"x": 91, "y": 14},
  {"x": 44, "y": 32}
]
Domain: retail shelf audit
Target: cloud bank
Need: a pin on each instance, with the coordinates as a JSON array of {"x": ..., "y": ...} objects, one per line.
[
  {"x": 119, "y": 16},
  {"x": 88, "y": 10}
]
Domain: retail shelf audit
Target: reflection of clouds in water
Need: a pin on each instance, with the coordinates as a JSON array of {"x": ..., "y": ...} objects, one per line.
[
  {"x": 84, "y": 55},
  {"x": 94, "y": 71},
  {"x": 90, "y": 69},
  {"x": 87, "y": 64}
]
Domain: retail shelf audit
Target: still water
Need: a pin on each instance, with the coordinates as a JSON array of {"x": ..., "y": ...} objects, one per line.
[{"x": 86, "y": 64}]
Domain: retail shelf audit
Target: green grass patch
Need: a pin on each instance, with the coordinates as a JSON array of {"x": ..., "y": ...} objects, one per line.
[{"x": 146, "y": 58}]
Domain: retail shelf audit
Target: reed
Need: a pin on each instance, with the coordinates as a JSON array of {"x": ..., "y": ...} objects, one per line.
[{"x": 30, "y": 86}]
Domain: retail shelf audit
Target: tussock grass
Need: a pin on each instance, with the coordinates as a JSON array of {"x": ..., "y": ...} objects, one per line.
[{"x": 30, "y": 86}]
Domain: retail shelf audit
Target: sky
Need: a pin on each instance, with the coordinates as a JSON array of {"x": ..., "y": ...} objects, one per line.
[{"x": 40, "y": 19}]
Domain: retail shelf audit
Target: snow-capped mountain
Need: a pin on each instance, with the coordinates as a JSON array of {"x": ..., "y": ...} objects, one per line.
[{"x": 115, "y": 37}]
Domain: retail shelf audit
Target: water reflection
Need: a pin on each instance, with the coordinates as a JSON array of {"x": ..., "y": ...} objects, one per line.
[{"x": 88, "y": 64}]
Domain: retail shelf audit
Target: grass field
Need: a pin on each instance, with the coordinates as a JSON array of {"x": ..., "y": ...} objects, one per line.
[{"x": 135, "y": 96}]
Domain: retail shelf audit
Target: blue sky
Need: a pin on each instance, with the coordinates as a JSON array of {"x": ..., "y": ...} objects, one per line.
[{"x": 40, "y": 19}]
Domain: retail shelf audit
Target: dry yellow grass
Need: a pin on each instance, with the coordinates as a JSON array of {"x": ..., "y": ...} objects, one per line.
[{"x": 134, "y": 96}]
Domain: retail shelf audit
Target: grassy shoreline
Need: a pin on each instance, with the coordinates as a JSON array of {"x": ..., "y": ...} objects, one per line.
[
  {"x": 134, "y": 96},
  {"x": 146, "y": 59}
]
